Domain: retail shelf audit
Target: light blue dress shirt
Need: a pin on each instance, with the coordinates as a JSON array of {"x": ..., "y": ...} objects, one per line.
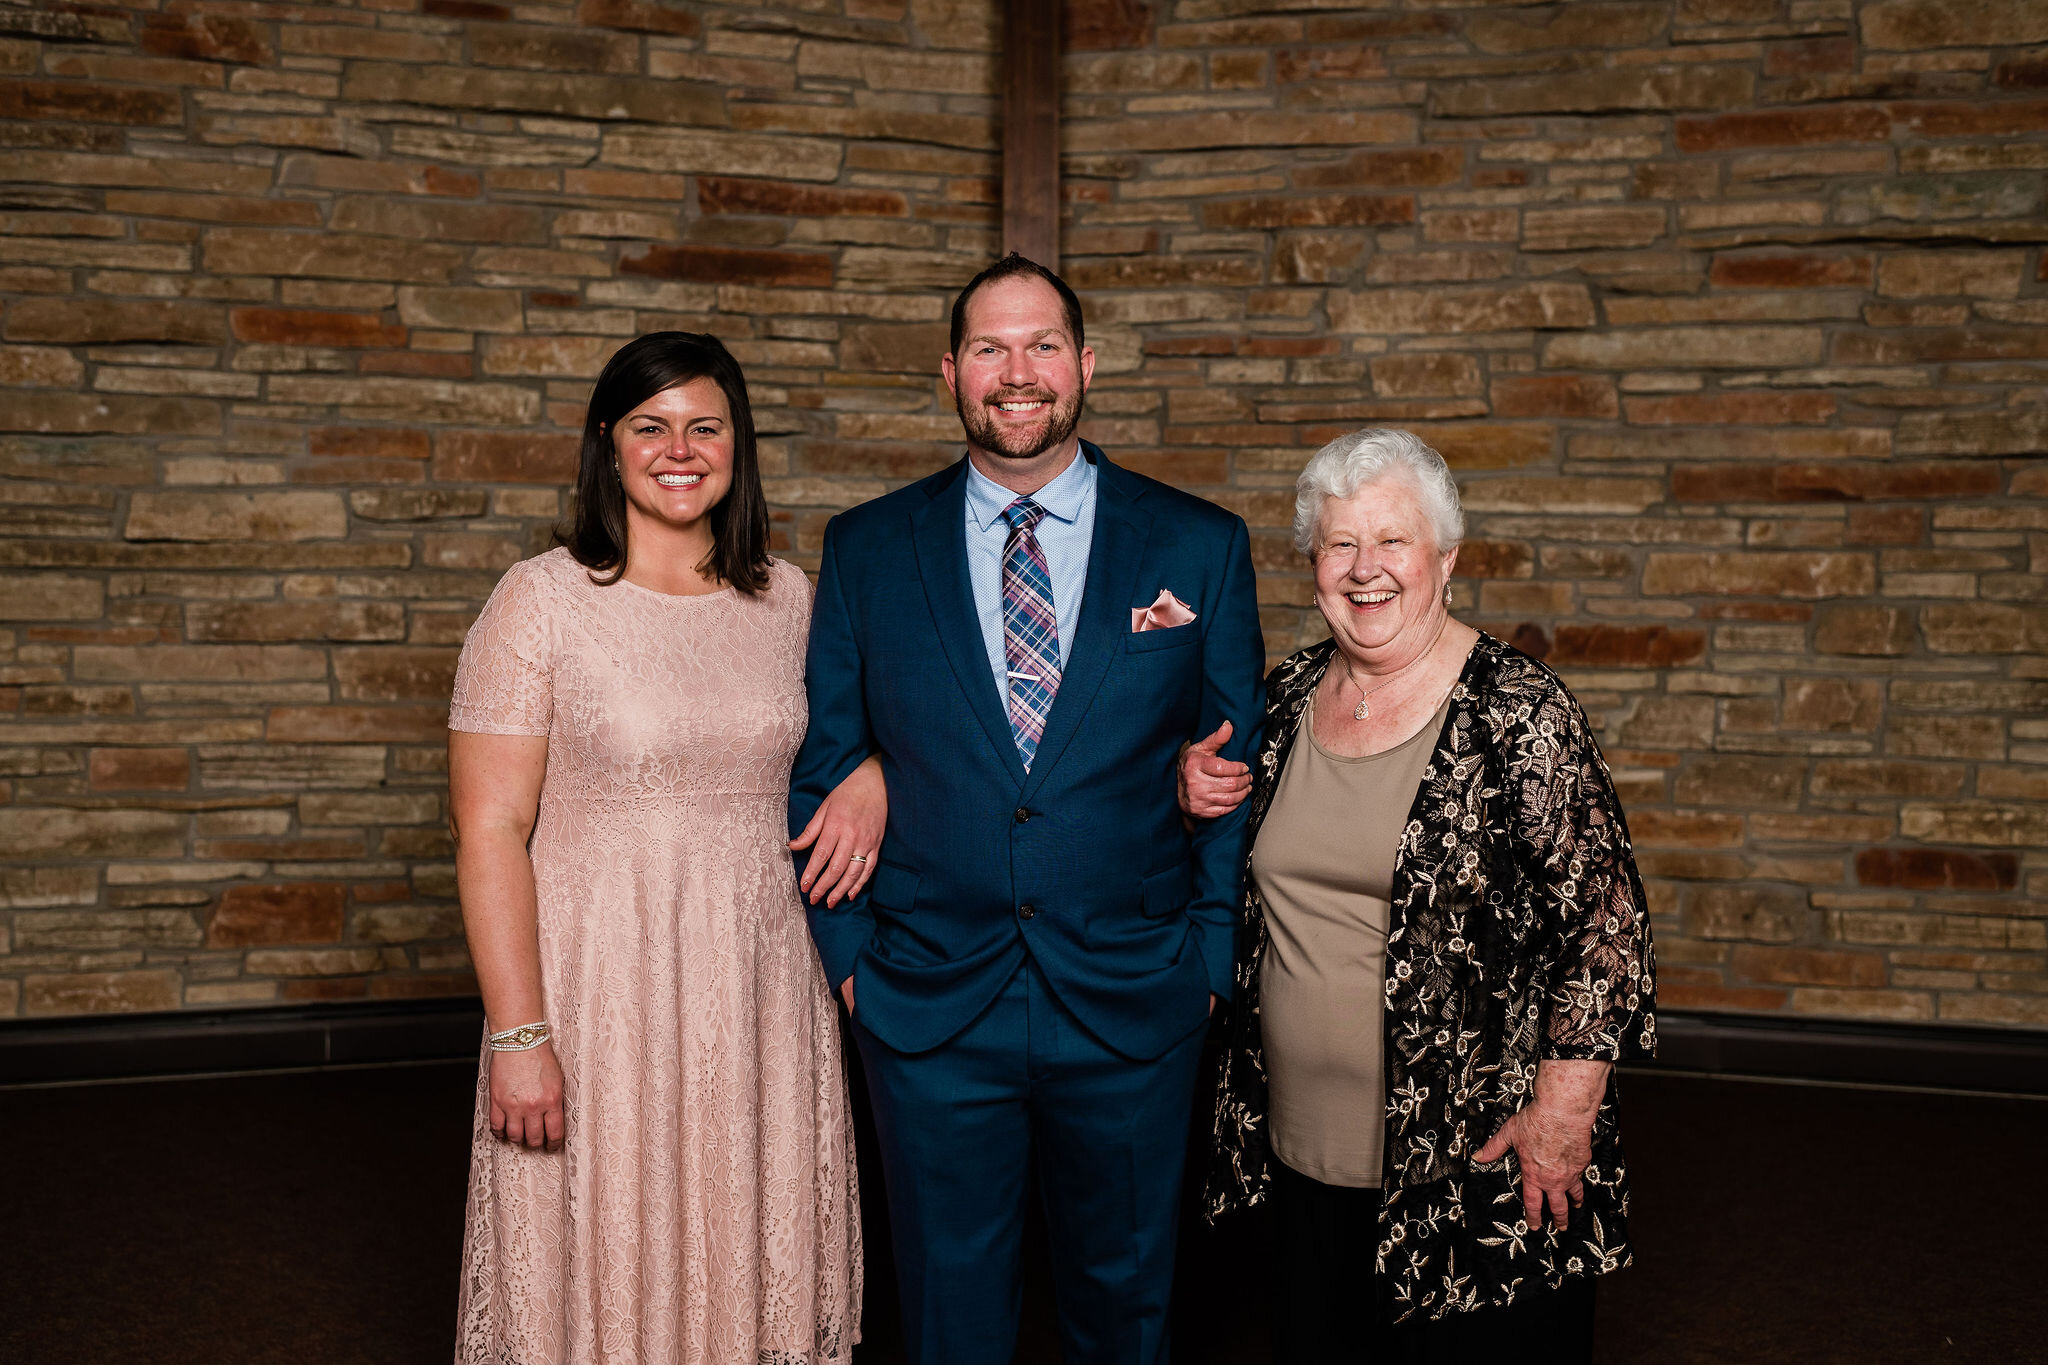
[{"x": 1065, "y": 533}]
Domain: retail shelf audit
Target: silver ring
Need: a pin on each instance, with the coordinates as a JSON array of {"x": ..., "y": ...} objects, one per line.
[{"x": 858, "y": 858}]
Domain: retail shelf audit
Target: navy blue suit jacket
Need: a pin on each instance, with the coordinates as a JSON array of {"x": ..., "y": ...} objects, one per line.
[{"x": 1084, "y": 863}]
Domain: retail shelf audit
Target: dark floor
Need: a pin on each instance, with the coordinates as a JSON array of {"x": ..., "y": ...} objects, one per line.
[{"x": 316, "y": 1219}]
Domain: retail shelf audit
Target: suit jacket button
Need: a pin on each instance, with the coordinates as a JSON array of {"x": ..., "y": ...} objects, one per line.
[
  {"x": 1022, "y": 815},
  {"x": 1026, "y": 911}
]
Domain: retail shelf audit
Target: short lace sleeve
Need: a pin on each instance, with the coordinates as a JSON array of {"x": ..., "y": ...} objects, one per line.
[{"x": 504, "y": 683}]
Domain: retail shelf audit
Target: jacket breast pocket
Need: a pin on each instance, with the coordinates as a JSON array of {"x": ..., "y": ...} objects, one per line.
[
  {"x": 894, "y": 888},
  {"x": 1167, "y": 893},
  {"x": 1151, "y": 641}
]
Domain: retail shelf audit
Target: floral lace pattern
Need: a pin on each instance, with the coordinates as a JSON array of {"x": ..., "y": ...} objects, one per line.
[
  {"x": 704, "y": 1207},
  {"x": 1519, "y": 932}
]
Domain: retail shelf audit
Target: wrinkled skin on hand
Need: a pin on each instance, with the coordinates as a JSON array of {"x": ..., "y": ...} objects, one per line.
[{"x": 1552, "y": 1138}]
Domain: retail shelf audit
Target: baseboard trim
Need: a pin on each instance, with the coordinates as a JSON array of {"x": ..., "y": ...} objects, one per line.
[
  {"x": 263, "y": 1038},
  {"x": 1935, "y": 1056},
  {"x": 113, "y": 1047}
]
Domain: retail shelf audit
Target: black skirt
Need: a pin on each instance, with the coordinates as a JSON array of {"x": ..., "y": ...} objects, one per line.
[{"x": 1326, "y": 1306}]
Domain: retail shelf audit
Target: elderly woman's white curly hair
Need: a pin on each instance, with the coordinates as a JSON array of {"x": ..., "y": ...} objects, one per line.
[{"x": 1350, "y": 462}]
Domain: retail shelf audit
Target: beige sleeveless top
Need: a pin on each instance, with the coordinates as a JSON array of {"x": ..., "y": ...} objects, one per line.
[{"x": 1324, "y": 864}]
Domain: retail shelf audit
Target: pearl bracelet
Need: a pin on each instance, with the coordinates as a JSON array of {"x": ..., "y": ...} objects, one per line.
[{"x": 521, "y": 1039}]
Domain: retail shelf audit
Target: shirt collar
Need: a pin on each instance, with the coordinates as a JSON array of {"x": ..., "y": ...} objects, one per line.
[{"x": 1062, "y": 498}]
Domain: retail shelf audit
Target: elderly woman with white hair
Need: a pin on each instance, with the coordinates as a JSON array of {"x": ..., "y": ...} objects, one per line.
[{"x": 1445, "y": 949}]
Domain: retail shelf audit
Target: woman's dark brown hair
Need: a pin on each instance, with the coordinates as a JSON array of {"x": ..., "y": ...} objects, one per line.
[{"x": 596, "y": 530}]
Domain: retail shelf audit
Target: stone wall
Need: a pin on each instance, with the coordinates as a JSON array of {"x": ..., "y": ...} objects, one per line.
[{"x": 1731, "y": 314}]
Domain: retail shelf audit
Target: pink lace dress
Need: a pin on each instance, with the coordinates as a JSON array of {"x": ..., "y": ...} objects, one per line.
[{"x": 704, "y": 1207}]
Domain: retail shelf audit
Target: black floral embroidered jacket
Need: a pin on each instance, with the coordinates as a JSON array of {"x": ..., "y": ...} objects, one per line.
[{"x": 1518, "y": 932}]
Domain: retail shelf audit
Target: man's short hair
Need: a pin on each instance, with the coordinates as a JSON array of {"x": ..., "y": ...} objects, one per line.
[{"x": 1011, "y": 265}]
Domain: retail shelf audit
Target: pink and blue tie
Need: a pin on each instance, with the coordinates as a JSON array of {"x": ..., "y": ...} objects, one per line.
[{"x": 1031, "y": 633}]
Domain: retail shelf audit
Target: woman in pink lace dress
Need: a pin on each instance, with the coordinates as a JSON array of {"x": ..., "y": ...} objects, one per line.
[{"x": 664, "y": 1172}]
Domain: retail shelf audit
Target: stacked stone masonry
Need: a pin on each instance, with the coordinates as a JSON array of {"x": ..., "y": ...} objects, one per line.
[{"x": 1731, "y": 315}]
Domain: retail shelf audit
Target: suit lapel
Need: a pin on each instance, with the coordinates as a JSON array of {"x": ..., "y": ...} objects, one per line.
[
  {"x": 1115, "y": 553},
  {"x": 939, "y": 536}
]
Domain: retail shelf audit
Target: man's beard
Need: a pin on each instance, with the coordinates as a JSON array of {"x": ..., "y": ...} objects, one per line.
[{"x": 986, "y": 431}]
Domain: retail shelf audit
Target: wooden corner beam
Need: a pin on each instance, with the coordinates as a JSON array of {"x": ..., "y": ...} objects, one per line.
[{"x": 1031, "y": 130}]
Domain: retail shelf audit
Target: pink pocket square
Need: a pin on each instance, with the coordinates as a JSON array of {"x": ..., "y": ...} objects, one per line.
[{"x": 1166, "y": 611}]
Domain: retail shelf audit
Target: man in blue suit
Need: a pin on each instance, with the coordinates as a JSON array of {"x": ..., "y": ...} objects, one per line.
[{"x": 1027, "y": 639}]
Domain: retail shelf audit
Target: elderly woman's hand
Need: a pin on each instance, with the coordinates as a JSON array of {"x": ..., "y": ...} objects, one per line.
[
  {"x": 1211, "y": 785},
  {"x": 848, "y": 832},
  {"x": 1553, "y": 1138}
]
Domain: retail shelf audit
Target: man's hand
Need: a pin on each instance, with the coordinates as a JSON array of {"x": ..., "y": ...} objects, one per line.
[
  {"x": 1553, "y": 1139},
  {"x": 1210, "y": 785}
]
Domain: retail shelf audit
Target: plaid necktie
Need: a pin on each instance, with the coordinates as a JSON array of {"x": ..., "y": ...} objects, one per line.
[{"x": 1031, "y": 633}]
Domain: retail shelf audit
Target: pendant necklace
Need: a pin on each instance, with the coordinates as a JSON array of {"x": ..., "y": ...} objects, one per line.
[{"x": 1363, "y": 711}]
